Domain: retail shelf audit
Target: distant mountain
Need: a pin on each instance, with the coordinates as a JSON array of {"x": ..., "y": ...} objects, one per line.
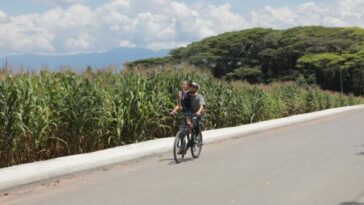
[{"x": 116, "y": 56}]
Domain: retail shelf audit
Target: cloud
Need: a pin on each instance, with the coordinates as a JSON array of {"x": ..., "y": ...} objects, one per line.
[
  {"x": 61, "y": 2},
  {"x": 155, "y": 24},
  {"x": 82, "y": 42},
  {"x": 2, "y": 15},
  {"x": 126, "y": 44},
  {"x": 50, "y": 32},
  {"x": 72, "y": 26},
  {"x": 14, "y": 39},
  {"x": 280, "y": 17},
  {"x": 337, "y": 13},
  {"x": 352, "y": 8}
]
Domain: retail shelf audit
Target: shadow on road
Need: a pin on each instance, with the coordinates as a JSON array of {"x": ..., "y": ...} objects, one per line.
[
  {"x": 360, "y": 153},
  {"x": 172, "y": 162},
  {"x": 351, "y": 203}
]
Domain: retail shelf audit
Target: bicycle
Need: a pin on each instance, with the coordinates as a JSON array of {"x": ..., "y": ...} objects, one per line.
[{"x": 187, "y": 138}]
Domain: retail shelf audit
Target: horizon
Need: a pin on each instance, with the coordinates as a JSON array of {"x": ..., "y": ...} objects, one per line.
[{"x": 113, "y": 57}]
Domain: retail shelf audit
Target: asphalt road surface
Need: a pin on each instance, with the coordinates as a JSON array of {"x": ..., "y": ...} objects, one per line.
[{"x": 315, "y": 163}]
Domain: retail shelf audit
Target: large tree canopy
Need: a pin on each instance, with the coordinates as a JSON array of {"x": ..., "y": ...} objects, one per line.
[{"x": 326, "y": 56}]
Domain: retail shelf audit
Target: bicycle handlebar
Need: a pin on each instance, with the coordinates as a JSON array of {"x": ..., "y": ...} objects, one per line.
[
  {"x": 193, "y": 115},
  {"x": 185, "y": 115}
]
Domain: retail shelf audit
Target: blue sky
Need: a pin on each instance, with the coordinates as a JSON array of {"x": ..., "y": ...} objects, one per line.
[
  {"x": 78, "y": 26},
  {"x": 17, "y": 7}
]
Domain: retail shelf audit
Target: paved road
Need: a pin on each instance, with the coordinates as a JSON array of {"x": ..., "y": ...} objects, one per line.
[{"x": 316, "y": 163}]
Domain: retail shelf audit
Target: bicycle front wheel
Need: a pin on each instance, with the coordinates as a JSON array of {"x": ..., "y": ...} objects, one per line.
[
  {"x": 196, "y": 145},
  {"x": 179, "y": 148}
]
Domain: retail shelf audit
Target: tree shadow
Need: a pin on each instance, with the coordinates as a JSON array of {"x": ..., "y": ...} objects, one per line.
[{"x": 351, "y": 203}]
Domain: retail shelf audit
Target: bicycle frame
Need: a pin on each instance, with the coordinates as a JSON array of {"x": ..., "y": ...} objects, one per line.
[{"x": 186, "y": 139}]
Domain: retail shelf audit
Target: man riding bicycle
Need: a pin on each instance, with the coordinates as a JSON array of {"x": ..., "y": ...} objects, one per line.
[{"x": 192, "y": 104}]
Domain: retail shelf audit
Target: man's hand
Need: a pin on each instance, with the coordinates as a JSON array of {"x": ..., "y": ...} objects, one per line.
[
  {"x": 173, "y": 113},
  {"x": 199, "y": 112}
]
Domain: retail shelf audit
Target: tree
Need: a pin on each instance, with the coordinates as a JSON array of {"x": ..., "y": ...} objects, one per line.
[
  {"x": 327, "y": 67},
  {"x": 252, "y": 75},
  {"x": 328, "y": 56}
]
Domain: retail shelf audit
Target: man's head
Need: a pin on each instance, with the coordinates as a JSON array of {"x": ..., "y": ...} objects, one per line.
[{"x": 194, "y": 87}]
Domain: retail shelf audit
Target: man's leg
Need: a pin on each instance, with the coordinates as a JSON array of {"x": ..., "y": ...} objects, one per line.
[{"x": 196, "y": 122}]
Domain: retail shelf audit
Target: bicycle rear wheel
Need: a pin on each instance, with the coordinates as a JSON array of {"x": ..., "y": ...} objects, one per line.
[
  {"x": 196, "y": 145},
  {"x": 179, "y": 148}
]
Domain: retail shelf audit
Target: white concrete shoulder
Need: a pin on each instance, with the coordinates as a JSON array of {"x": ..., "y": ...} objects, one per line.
[{"x": 34, "y": 172}]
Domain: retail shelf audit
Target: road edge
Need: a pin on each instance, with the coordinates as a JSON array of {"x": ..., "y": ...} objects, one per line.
[{"x": 19, "y": 175}]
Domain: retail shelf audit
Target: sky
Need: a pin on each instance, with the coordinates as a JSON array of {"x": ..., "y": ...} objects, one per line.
[{"x": 55, "y": 27}]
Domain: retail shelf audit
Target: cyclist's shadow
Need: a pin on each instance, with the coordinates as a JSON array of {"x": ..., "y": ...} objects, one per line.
[{"x": 172, "y": 162}]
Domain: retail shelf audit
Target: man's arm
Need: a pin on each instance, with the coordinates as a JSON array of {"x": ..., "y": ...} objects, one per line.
[
  {"x": 202, "y": 106},
  {"x": 199, "y": 112},
  {"x": 179, "y": 105}
]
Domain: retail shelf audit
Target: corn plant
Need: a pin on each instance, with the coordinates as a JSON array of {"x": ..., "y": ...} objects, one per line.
[{"x": 47, "y": 114}]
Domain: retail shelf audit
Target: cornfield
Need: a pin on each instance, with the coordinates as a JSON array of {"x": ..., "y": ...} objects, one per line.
[{"x": 47, "y": 114}]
